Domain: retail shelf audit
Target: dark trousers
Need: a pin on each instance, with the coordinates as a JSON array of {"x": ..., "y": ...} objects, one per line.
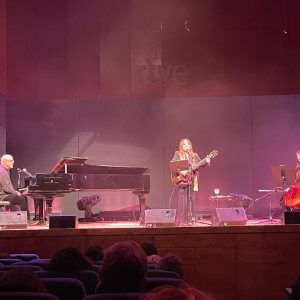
[
  {"x": 18, "y": 203},
  {"x": 185, "y": 205}
]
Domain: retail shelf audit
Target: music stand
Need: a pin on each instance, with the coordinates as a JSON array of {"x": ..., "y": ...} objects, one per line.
[
  {"x": 283, "y": 175},
  {"x": 179, "y": 165}
]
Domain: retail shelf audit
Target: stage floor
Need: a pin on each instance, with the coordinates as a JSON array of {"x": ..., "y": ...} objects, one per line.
[{"x": 136, "y": 224}]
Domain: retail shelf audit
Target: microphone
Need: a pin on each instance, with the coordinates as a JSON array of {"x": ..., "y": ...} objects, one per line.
[{"x": 27, "y": 172}]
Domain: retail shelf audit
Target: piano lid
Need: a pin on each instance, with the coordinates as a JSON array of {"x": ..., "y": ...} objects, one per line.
[
  {"x": 94, "y": 169},
  {"x": 67, "y": 161}
]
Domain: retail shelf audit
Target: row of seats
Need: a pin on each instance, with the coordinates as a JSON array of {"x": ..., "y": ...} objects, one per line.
[
  {"x": 75, "y": 285},
  {"x": 49, "y": 296},
  {"x": 42, "y": 264}
]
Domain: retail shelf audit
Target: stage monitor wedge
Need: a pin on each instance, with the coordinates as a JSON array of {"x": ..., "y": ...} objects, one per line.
[
  {"x": 160, "y": 217},
  {"x": 229, "y": 216},
  {"x": 292, "y": 217},
  {"x": 62, "y": 222}
]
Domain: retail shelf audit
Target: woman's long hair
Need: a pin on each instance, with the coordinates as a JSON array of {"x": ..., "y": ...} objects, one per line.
[{"x": 190, "y": 152}]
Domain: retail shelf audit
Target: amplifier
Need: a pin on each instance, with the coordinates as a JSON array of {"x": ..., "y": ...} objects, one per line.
[{"x": 13, "y": 219}]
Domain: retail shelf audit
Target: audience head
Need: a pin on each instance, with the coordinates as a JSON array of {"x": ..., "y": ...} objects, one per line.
[
  {"x": 69, "y": 259},
  {"x": 181, "y": 292},
  {"x": 95, "y": 253},
  {"x": 21, "y": 280},
  {"x": 124, "y": 268},
  {"x": 149, "y": 248},
  {"x": 171, "y": 262}
]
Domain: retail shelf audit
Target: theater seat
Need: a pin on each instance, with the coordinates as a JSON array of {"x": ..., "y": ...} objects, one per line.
[
  {"x": 27, "y": 296},
  {"x": 162, "y": 273},
  {"x": 43, "y": 263},
  {"x": 9, "y": 261},
  {"x": 14, "y": 266},
  {"x": 65, "y": 288},
  {"x": 152, "y": 283},
  {"x": 114, "y": 296},
  {"x": 90, "y": 279},
  {"x": 24, "y": 256}
]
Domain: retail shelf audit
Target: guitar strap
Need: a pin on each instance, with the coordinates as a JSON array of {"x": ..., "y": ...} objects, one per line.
[{"x": 195, "y": 182}]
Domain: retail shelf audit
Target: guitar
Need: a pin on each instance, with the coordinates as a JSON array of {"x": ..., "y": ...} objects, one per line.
[{"x": 183, "y": 178}]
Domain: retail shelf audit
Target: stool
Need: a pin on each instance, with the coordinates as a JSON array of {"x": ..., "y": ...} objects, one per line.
[{"x": 3, "y": 205}]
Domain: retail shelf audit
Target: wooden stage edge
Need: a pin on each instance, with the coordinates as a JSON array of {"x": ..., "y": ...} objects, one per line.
[{"x": 254, "y": 261}]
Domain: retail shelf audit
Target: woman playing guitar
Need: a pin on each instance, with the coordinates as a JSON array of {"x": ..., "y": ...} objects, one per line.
[{"x": 187, "y": 181}]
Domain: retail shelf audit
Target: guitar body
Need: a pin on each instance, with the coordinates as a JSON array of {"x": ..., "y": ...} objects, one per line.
[
  {"x": 182, "y": 180},
  {"x": 292, "y": 197}
]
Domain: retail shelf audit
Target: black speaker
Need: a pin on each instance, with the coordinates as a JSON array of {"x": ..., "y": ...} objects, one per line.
[
  {"x": 160, "y": 217},
  {"x": 62, "y": 222},
  {"x": 227, "y": 216},
  {"x": 291, "y": 217}
]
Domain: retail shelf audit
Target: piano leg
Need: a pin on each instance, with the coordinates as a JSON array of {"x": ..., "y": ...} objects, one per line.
[
  {"x": 39, "y": 210},
  {"x": 48, "y": 211},
  {"x": 142, "y": 201}
]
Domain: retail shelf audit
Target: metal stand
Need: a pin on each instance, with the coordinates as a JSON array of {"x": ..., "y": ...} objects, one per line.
[{"x": 269, "y": 197}]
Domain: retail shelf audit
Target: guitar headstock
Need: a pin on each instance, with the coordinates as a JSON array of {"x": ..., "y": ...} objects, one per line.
[{"x": 213, "y": 154}]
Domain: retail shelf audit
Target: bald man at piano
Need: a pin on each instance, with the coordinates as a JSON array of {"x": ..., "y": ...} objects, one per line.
[{"x": 7, "y": 191}]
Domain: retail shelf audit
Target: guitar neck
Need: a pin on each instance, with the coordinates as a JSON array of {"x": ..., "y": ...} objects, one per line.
[{"x": 201, "y": 163}]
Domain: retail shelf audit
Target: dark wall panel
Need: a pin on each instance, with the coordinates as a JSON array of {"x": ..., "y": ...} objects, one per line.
[
  {"x": 82, "y": 65},
  {"x": 275, "y": 141},
  {"x": 2, "y": 124},
  {"x": 3, "y": 46},
  {"x": 144, "y": 49}
]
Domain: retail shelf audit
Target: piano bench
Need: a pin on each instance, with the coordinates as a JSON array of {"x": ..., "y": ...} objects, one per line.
[{"x": 3, "y": 205}]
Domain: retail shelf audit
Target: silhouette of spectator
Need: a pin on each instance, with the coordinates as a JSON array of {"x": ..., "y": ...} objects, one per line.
[
  {"x": 149, "y": 248},
  {"x": 69, "y": 259},
  {"x": 21, "y": 280},
  {"x": 151, "y": 252},
  {"x": 95, "y": 253},
  {"x": 181, "y": 292},
  {"x": 123, "y": 269},
  {"x": 171, "y": 262}
]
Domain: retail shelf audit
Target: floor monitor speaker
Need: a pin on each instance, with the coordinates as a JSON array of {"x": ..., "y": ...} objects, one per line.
[
  {"x": 160, "y": 217},
  {"x": 62, "y": 222},
  {"x": 13, "y": 219},
  {"x": 227, "y": 216},
  {"x": 291, "y": 217}
]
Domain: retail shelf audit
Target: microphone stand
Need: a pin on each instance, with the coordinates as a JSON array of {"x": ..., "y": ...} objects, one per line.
[
  {"x": 269, "y": 197},
  {"x": 19, "y": 179}
]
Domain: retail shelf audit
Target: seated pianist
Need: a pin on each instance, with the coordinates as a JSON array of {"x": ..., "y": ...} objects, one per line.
[{"x": 17, "y": 200}]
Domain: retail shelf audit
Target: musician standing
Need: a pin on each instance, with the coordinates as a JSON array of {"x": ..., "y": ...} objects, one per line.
[
  {"x": 7, "y": 192},
  {"x": 297, "y": 169},
  {"x": 289, "y": 199},
  {"x": 186, "y": 182}
]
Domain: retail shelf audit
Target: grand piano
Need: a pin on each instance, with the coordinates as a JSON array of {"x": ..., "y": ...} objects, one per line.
[{"x": 73, "y": 174}]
